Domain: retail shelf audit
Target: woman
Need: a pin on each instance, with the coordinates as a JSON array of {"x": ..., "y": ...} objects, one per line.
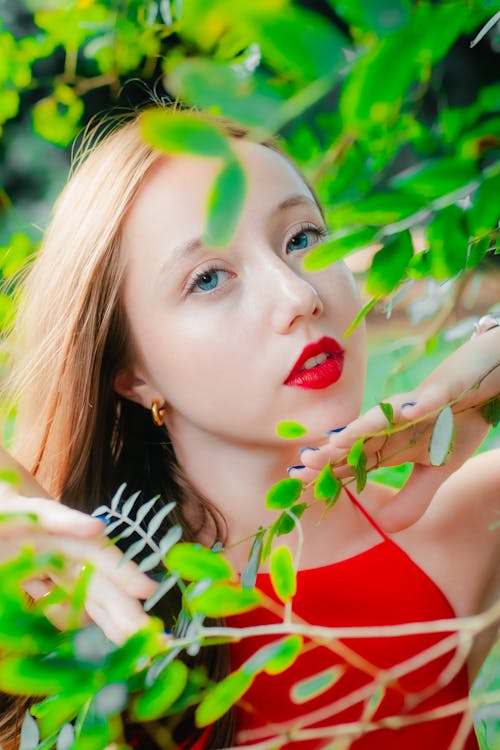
[{"x": 126, "y": 311}]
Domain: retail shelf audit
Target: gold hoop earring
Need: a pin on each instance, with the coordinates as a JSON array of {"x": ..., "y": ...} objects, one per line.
[{"x": 156, "y": 413}]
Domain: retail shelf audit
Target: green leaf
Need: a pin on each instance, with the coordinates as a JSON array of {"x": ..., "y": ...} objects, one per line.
[
  {"x": 357, "y": 459},
  {"x": 388, "y": 412},
  {"x": 194, "y": 562},
  {"x": 282, "y": 573},
  {"x": 337, "y": 248},
  {"x": 327, "y": 486},
  {"x": 288, "y": 519},
  {"x": 300, "y": 44},
  {"x": 448, "y": 243},
  {"x": 484, "y": 214},
  {"x": 360, "y": 316},
  {"x": 491, "y": 412},
  {"x": 309, "y": 688},
  {"x": 57, "y": 117},
  {"x": 221, "y": 697},
  {"x": 223, "y": 600},
  {"x": 442, "y": 437},
  {"x": 225, "y": 204},
  {"x": 184, "y": 133},
  {"x": 285, "y": 656},
  {"x": 283, "y": 494},
  {"x": 392, "y": 476},
  {"x": 221, "y": 89},
  {"x": 249, "y": 573},
  {"x": 275, "y": 657},
  {"x": 290, "y": 430},
  {"x": 30, "y": 735},
  {"x": 378, "y": 209},
  {"x": 389, "y": 264},
  {"x": 154, "y": 701},
  {"x": 435, "y": 178},
  {"x": 12, "y": 477}
]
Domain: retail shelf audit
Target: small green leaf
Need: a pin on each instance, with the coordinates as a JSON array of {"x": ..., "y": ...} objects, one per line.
[
  {"x": 357, "y": 459},
  {"x": 389, "y": 264},
  {"x": 275, "y": 656},
  {"x": 221, "y": 697},
  {"x": 12, "y": 477},
  {"x": 327, "y": 486},
  {"x": 223, "y": 600},
  {"x": 282, "y": 573},
  {"x": 183, "y": 133},
  {"x": 360, "y": 316},
  {"x": 249, "y": 573},
  {"x": 193, "y": 563},
  {"x": 436, "y": 178},
  {"x": 285, "y": 656},
  {"x": 311, "y": 687},
  {"x": 225, "y": 204},
  {"x": 288, "y": 519},
  {"x": 283, "y": 494},
  {"x": 290, "y": 430},
  {"x": 491, "y": 412},
  {"x": 441, "y": 441},
  {"x": 29, "y": 733},
  {"x": 485, "y": 212},
  {"x": 388, "y": 412},
  {"x": 376, "y": 699},
  {"x": 165, "y": 690},
  {"x": 337, "y": 248}
]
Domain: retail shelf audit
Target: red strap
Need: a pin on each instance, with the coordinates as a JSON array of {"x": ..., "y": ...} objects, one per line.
[{"x": 363, "y": 510}]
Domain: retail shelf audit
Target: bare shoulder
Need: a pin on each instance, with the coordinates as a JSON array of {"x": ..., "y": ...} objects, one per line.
[{"x": 470, "y": 497}]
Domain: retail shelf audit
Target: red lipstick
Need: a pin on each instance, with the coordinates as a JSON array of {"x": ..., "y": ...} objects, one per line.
[{"x": 319, "y": 365}]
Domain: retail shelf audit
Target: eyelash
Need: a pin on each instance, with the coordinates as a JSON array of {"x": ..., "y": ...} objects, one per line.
[
  {"x": 191, "y": 287},
  {"x": 320, "y": 232}
]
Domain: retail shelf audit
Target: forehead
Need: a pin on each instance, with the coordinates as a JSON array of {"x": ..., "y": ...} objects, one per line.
[{"x": 177, "y": 188}]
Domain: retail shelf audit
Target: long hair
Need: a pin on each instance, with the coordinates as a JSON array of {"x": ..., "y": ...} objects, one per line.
[{"x": 73, "y": 432}]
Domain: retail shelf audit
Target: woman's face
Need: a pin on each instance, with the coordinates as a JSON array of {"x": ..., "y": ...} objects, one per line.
[{"x": 220, "y": 334}]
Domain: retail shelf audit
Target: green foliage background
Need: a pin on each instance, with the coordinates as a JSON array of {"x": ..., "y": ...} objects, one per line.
[{"x": 384, "y": 105}]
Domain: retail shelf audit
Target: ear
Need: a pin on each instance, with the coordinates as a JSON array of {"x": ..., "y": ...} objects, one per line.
[{"x": 130, "y": 385}]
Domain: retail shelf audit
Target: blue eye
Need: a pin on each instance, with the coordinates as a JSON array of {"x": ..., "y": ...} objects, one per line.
[
  {"x": 207, "y": 280},
  {"x": 306, "y": 237}
]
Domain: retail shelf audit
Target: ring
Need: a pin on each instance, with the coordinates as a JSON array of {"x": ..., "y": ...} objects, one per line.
[
  {"x": 486, "y": 323},
  {"x": 378, "y": 456}
]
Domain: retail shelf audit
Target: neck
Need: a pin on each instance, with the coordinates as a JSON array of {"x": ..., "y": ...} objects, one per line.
[{"x": 236, "y": 477}]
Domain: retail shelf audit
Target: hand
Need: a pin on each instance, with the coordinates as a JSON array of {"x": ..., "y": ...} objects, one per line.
[
  {"x": 465, "y": 380},
  {"x": 114, "y": 590}
]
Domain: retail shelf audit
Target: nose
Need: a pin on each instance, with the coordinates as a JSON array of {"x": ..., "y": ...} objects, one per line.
[{"x": 294, "y": 298}]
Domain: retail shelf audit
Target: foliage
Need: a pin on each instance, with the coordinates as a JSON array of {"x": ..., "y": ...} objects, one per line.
[{"x": 355, "y": 93}]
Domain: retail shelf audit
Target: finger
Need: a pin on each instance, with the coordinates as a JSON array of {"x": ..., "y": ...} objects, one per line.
[
  {"x": 410, "y": 503},
  {"x": 51, "y": 515},
  {"x": 103, "y": 556},
  {"x": 116, "y": 613}
]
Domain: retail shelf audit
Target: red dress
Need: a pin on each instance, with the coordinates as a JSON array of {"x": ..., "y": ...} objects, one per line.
[{"x": 381, "y": 586}]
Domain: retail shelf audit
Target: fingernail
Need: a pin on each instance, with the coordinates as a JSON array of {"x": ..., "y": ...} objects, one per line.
[
  {"x": 408, "y": 403},
  {"x": 307, "y": 448},
  {"x": 337, "y": 429},
  {"x": 103, "y": 517},
  {"x": 299, "y": 466}
]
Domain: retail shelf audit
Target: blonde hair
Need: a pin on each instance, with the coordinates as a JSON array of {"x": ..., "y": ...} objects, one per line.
[{"x": 76, "y": 435}]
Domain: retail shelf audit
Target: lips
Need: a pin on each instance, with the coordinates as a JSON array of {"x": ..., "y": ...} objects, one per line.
[{"x": 319, "y": 365}]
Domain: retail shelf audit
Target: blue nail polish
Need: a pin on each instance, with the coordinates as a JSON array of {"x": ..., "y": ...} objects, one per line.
[
  {"x": 307, "y": 448},
  {"x": 337, "y": 429},
  {"x": 299, "y": 466},
  {"x": 103, "y": 517},
  {"x": 408, "y": 403}
]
